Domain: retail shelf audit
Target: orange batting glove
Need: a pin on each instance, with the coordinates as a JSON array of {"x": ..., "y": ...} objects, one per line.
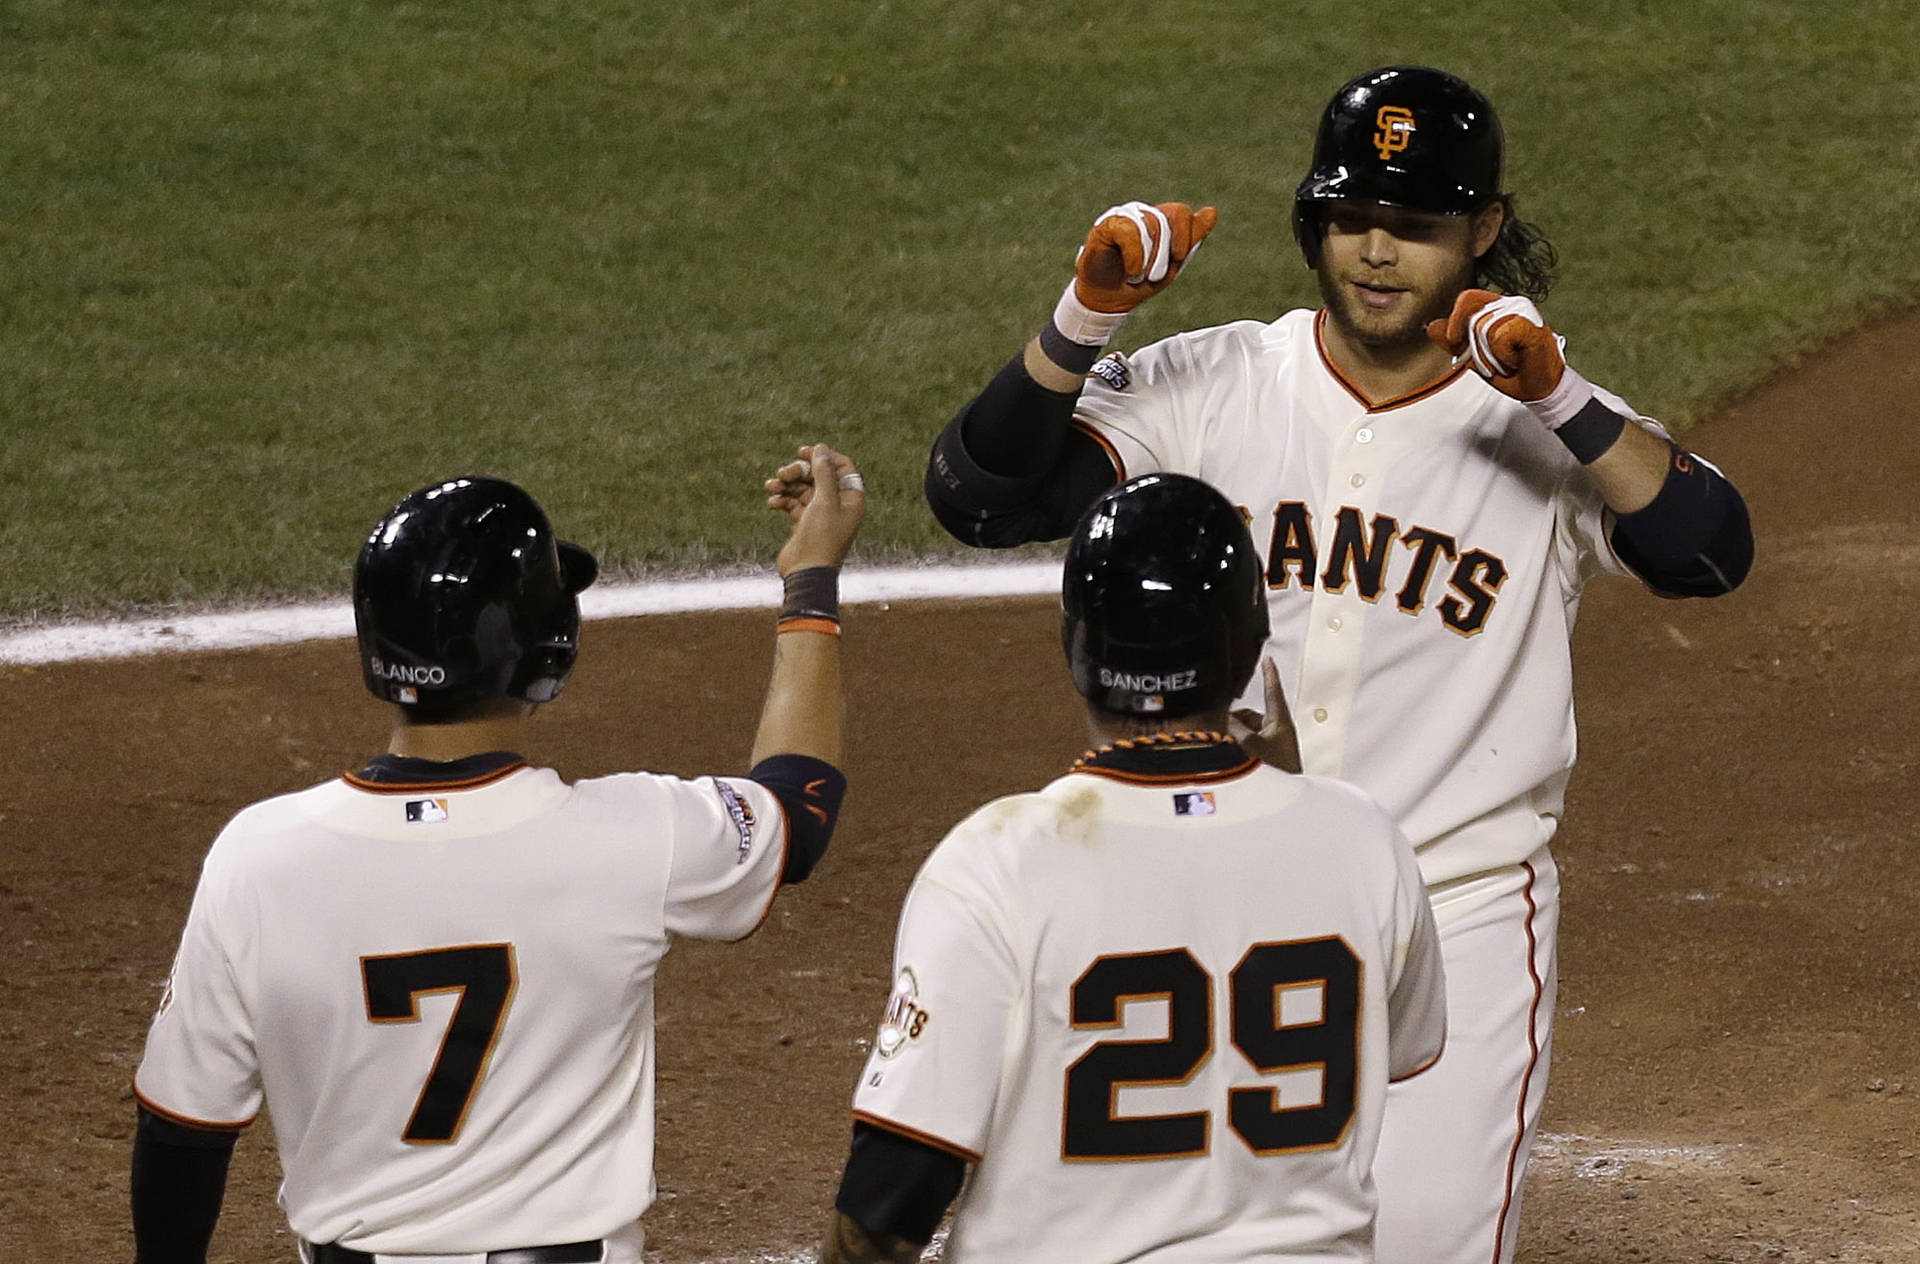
[
  {"x": 1133, "y": 251},
  {"x": 1509, "y": 344}
]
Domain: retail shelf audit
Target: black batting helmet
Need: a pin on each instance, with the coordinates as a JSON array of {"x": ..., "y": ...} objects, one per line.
[
  {"x": 1407, "y": 136},
  {"x": 462, "y": 594},
  {"x": 1164, "y": 609}
]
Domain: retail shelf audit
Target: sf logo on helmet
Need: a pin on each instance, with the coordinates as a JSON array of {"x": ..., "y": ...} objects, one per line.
[{"x": 1396, "y": 130}]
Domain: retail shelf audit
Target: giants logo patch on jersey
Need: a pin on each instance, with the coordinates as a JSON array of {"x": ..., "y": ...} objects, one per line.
[
  {"x": 1361, "y": 553},
  {"x": 905, "y": 1018}
]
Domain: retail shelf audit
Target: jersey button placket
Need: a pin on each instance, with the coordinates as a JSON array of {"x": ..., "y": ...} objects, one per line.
[{"x": 1330, "y": 666}]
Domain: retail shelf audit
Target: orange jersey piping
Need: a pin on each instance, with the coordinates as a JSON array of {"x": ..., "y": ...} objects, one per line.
[
  {"x": 418, "y": 788},
  {"x": 1398, "y": 401},
  {"x": 914, "y": 1134},
  {"x": 174, "y": 1116},
  {"x": 1423, "y": 1067},
  {"x": 1533, "y": 1060},
  {"x": 779, "y": 877},
  {"x": 1113, "y": 454}
]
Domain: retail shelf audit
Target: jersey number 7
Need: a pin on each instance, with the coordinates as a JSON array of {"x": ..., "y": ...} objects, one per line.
[
  {"x": 1270, "y": 1041},
  {"x": 483, "y": 975}
]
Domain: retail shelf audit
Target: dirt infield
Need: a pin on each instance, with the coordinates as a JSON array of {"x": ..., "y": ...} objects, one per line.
[{"x": 1735, "y": 1076}]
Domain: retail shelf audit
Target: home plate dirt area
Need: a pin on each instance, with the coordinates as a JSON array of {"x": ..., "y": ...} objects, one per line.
[{"x": 1734, "y": 1076}]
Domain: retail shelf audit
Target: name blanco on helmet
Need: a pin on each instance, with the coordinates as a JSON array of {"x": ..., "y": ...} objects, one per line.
[
  {"x": 405, "y": 674},
  {"x": 1172, "y": 682}
]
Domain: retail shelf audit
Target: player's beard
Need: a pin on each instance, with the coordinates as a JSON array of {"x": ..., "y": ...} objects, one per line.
[{"x": 1404, "y": 329}]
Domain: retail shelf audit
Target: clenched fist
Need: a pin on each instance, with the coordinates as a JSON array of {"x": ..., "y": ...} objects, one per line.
[
  {"x": 1508, "y": 342},
  {"x": 1133, "y": 251},
  {"x": 825, "y": 500}
]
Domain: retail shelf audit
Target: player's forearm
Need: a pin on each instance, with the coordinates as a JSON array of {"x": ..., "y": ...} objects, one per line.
[
  {"x": 177, "y": 1183},
  {"x": 1056, "y": 363},
  {"x": 1678, "y": 523},
  {"x": 848, "y": 1242},
  {"x": 804, "y": 713},
  {"x": 1632, "y": 469}
]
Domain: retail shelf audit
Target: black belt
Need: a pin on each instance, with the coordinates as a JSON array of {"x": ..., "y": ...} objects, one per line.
[{"x": 565, "y": 1253}]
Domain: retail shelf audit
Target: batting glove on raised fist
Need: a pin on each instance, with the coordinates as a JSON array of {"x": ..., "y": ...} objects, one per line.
[
  {"x": 1509, "y": 344},
  {"x": 1133, "y": 251}
]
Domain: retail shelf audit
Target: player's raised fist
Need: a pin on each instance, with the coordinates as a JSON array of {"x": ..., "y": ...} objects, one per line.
[
  {"x": 825, "y": 498},
  {"x": 1134, "y": 251},
  {"x": 1507, "y": 341}
]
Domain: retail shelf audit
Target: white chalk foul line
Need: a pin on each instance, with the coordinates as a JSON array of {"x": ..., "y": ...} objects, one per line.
[{"x": 320, "y": 621}]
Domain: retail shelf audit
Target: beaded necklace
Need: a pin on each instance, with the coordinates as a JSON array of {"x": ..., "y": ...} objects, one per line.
[{"x": 1195, "y": 738}]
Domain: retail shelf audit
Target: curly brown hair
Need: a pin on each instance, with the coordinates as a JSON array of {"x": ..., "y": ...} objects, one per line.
[{"x": 1521, "y": 259}]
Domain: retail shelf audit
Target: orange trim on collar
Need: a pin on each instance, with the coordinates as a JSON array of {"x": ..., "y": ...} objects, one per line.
[
  {"x": 1398, "y": 401},
  {"x": 1169, "y": 779},
  {"x": 417, "y": 788}
]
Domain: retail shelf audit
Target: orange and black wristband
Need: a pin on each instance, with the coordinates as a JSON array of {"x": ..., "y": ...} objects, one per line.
[{"x": 812, "y": 601}]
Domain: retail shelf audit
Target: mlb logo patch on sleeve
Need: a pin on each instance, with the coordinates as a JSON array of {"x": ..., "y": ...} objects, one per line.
[
  {"x": 1193, "y": 803},
  {"x": 426, "y": 811}
]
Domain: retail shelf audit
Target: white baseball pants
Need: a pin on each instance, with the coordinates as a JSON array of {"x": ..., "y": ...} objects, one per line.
[{"x": 1454, "y": 1140}]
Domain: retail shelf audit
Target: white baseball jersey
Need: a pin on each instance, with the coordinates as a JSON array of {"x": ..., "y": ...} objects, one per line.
[
  {"x": 445, "y": 994},
  {"x": 1425, "y": 558},
  {"x": 1161, "y": 1013}
]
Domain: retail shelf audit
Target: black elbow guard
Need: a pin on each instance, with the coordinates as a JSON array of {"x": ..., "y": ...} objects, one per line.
[
  {"x": 1694, "y": 539},
  {"x": 976, "y": 506},
  {"x": 810, "y": 791},
  {"x": 990, "y": 473}
]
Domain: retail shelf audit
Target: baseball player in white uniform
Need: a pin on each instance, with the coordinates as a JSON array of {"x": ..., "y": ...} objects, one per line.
[
  {"x": 1430, "y": 486},
  {"x": 437, "y": 972},
  {"x": 1156, "y": 1004}
]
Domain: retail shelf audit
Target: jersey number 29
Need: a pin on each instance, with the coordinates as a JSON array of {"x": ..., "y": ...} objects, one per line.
[
  {"x": 1260, "y": 1030},
  {"x": 483, "y": 976}
]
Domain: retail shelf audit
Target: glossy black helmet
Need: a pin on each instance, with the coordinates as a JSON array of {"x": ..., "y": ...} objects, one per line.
[
  {"x": 462, "y": 594},
  {"x": 1406, "y": 136},
  {"x": 1163, "y": 603}
]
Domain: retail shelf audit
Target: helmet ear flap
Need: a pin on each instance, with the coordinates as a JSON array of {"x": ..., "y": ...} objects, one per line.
[
  {"x": 551, "y": 652},
  {"x": 1309, "y": 226}
]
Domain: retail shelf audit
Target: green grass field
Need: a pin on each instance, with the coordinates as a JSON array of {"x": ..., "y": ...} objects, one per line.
[{"x": 268, "y": 267}]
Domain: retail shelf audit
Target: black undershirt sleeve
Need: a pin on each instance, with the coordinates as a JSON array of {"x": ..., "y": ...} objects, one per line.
[
  {"x": 894, "y": 1184},
  {"x": 178, "y": 1182},
  {"x": 1694, "y": 539},
  {"x": 1011, "y": 467},
  {"x": 810, "y": 790}
]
